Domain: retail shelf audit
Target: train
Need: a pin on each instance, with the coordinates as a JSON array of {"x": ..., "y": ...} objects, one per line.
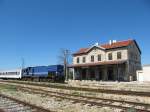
[
  {"x": 11, "y": 74},
  {"x": 53, "y": 73}
]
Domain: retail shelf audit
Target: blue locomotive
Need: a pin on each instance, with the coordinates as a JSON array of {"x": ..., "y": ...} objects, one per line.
[{"x": 44, "y": 73}]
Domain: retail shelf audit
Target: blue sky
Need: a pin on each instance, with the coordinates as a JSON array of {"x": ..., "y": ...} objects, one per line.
[{"x": 36, "y": 30}]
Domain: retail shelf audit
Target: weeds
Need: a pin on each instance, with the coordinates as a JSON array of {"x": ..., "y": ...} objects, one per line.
[
  {"x": 131, "y": 109},
  {"x": 8, "y": 87}
]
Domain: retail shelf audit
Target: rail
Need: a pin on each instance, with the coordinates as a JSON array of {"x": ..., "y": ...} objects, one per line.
[
  {"x": 9, "y": 103},
  {"x": 108, "y": 91}
]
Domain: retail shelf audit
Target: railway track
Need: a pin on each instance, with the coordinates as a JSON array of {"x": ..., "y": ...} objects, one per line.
[
  {"x": 108, "y": 91},
  {"x": 124, "y": 105},
  {"x": 9, "y": 104}
]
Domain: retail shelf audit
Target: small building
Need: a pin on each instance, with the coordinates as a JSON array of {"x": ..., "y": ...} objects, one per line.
[
  {"x": 144, "y": 74},
  {"x": 115, "y": 60}
]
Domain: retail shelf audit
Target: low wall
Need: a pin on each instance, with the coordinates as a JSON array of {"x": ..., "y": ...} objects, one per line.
[{"x": 134, "y": 85}]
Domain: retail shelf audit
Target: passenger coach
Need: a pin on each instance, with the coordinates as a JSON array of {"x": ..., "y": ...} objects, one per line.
[{"x": 11, "y": 74}]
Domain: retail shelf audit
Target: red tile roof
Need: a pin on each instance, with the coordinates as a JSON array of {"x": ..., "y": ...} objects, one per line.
[
  {"x": 98, "y": 63},
  {"x": 117, "y": 44},
  {"x": 108, "y": 46},
  {"x": 82, "y": 50}
]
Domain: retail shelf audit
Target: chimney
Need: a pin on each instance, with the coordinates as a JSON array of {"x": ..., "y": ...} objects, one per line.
[
  {"x": 96, "y": 44},
  {"x": 114, "y": 41},
  {"x": 110, "y": 42}
]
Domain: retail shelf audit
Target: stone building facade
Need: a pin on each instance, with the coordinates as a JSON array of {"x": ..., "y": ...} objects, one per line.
[{"x": 116, "y": 60}]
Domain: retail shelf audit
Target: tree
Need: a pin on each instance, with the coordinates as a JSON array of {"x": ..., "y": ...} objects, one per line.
[{"x": 64, "y": 59}]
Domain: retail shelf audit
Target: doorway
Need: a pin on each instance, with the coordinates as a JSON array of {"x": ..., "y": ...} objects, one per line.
[
  {"x": 100, "y": 75},
  {"x": 83, "y": 74},
  {"x": 92, "y": 74},
  {"x": 110, "y": 74}
]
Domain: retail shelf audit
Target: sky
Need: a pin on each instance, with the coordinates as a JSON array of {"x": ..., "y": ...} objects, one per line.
[{"x": 36, "y": 30}]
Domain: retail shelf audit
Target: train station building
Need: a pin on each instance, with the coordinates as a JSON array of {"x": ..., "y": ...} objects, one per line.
[{"x": 113, "y": 61}]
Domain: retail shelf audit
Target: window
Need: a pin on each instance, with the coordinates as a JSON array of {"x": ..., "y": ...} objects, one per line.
[
  {"x": 99, "y": 57},
  {"x": 110, "y": 56},
  {"x": 92, "y": 58},
  {"x": 83, "y": 60},
  {"x": 78, "y": 60},
  {"x": 136, "y": 57},
  {"x": 118, "y": 55}
]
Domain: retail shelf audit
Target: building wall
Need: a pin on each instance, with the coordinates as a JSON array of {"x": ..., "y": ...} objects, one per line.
[
  {"x": 134, "y": 57},
  {"x": 144, "y": 75},
  {"x": 124, "y": 54},
  {"x": 104, "y": 55}
]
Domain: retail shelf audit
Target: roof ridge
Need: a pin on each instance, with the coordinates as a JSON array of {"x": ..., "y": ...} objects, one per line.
[
  {"x": 117, "y": 44},
  {"x": 119, "y": 41}
]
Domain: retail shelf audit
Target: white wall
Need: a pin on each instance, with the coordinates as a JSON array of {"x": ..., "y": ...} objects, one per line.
[{"x": 144, "y": 75}]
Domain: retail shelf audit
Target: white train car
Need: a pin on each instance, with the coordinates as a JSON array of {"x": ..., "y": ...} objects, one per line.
[{"x": 11, "y": 74}]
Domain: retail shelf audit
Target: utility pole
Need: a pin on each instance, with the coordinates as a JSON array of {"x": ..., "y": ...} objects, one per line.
[{"x": 64, "y": 58}]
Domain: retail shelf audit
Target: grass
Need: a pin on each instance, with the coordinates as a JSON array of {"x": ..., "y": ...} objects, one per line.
[
  {"x": 7, "y": 87},
  {"x": 76, "y": 93},
  {"x": 131, "y": 109}
]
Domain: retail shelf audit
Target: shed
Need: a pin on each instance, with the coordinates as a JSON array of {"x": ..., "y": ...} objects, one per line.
[{"x": 144, "y": 74}]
